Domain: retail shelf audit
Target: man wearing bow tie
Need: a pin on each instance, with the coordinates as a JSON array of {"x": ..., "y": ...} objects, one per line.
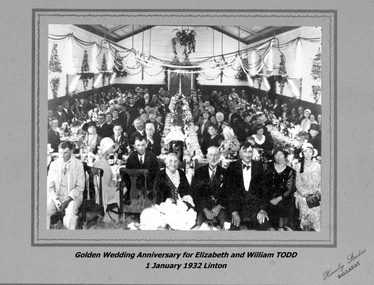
[
  {"x": 244, "y": 191},
  {"x": 207, "y": 186}
]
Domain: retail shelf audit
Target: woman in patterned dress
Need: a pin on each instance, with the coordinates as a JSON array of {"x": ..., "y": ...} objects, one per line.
[{"x": 308, "y": 188}]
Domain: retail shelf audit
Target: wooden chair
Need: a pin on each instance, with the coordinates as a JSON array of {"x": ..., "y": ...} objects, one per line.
[
  {"x": 138, "y": 202},
  {"x": 89, "y": 211},
  {"x": 198, "y": 164}
]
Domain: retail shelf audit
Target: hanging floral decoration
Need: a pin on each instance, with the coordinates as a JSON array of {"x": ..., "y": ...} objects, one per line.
[
  {"x": 54, "y": 61},
  {"x": 55, "y": 84},
  {"x": 104, "y": 70},
  {"x": 316, "y": 75},
  {"x": 85, "y": 75},
  {"x": 186, "y": 39},
  {"x": 282, "y": 78}
]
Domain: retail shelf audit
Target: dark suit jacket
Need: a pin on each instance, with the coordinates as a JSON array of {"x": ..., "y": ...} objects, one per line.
[
  {"x": 206, "y": 126},
  {"x": 123, "y": 145},
  {"x": 163, "y": 187},
  {"x": 61, "y": 118},
  {"x": 277, "y": 110},
  {"x": 300, "y": 119},
  {"x": 207, "y": 193},
  {"x": 105, "y": 130},
  {"x": 68, "y": 115},
  {"x": 53, "y": 139},
  {"x": 150, "y": 163},
  {"x": 216, "y": 141},
  {"x": 156, "y": 146},
  {"x": 316, "y": 142},
  {"x": 246, "y": 203}
]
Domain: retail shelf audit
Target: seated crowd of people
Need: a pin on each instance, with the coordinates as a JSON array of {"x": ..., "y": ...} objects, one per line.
[{"x": 249, "y": 193}]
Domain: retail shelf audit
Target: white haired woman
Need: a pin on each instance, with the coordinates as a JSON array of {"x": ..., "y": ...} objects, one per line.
[
  {"x": 171, "y": 182},
  {"x": 308, "y": 189}
]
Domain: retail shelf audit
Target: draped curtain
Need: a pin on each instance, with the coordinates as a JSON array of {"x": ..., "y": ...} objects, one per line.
[{"x": 180, "y": 82}]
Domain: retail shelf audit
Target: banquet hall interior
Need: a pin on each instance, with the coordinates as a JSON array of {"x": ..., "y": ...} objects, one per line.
[{"x": 194, "y": 91}]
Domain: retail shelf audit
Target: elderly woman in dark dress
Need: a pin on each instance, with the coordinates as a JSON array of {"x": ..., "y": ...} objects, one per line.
[
  {"x": 171, "y": 182},
  {"x": 279, "y": 187}
]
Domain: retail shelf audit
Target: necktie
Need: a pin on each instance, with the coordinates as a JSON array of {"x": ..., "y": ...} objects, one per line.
[
  {"x": 213, "y": 172},
  {"x": 65, "y": 168},
  {"x": 246, "y": 166},
  {"x": 141, "y": 160}
]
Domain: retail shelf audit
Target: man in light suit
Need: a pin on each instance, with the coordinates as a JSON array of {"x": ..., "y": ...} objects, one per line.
[
  {"x": 207, "y": 186},
  {"x": 243, "y": 187},
  {"x": 65, "y": 185}
]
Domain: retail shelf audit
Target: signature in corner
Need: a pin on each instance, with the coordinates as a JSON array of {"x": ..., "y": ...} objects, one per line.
[
  {"x": 340, "y": 268},
  {"x": 330, "y": 272}
]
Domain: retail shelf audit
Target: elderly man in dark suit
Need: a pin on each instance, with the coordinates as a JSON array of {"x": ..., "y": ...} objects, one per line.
[
  {"x": 142, "y": 159},
  {"x": 243, "y": 187},
  {"x": 207, "y": 186}
]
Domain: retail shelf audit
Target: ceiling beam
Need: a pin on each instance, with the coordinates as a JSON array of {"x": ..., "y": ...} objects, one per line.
[
  {"x": 244, "y": 28},
  {"x": 227, "y": 34},
  {"x": 267, "y": 33},
  {"x": 134, "y": 33},
  {"x": 117, "y": 28},
  {"x": 97, "y": 31}
]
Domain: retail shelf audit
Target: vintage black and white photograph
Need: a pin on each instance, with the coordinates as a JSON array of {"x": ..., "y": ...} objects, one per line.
[
  {"x": 186, "y": 142},
  {"x": 184, "y": 127}
]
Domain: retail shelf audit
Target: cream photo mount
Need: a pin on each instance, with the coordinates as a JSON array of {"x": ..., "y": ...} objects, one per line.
[{"x": 327, "y": 237}]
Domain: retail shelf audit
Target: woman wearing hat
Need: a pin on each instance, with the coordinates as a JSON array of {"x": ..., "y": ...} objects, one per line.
[
  {"x": 262, "y": 141},
  {"x": 110, "y": 193},
  {"x": 279, "y": 186},
  {"x": 308, "y": 189}
]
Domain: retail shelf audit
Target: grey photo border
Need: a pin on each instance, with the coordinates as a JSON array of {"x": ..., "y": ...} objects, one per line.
[{"x": 37, "y": 240}]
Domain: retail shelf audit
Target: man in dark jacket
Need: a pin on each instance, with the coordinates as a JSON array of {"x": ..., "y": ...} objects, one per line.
[
  {"x": 142, "y": 159},
  {"x": 243, "y": 187},
  {"x": 207, "y": 186}
]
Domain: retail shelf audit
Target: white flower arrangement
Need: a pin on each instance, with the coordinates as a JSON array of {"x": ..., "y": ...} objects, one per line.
[{"x": 176, "y": 215}]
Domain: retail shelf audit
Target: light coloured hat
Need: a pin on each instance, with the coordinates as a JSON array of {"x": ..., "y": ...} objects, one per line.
[
  {"x": 306, "y": 146},
  {"x": 106, "y": 144}
]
